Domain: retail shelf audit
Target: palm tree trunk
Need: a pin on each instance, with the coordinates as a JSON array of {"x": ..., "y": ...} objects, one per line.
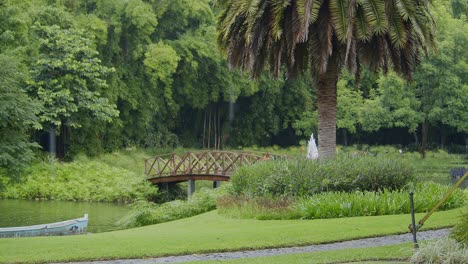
[{"x": 326, "y": 106}]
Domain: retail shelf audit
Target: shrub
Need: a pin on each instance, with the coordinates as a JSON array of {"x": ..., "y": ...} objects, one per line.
[
  {"x": 148, "y": 213},
  {"x": 340, "y": 204},
  {"x": 306, "y": 177},
  {"x": 80, "y": 181},
  {"x": 460, "y": 231},
  {"x": 445, "y": 250}
]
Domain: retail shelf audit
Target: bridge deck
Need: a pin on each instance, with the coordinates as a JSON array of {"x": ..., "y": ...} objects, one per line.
[{"x": 203, "y": 165}]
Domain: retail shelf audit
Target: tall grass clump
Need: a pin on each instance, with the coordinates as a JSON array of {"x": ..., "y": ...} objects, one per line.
[
  {"x": 82, "y": 180},
  {"x": 148, "y": 213},
  {"x": 340, "y": 204},
  {"x": 382, "y": 202},
  {"x": 261, "y": 208},
  {"x": 445, "y": 250},
  {"x": 305, "y": 177},
  {"x": 460, "y": 231}
]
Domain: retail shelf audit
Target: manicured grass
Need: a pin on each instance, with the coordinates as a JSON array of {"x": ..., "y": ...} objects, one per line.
[
  {"x": 373, "y": 255},
  {"x": 208, "y": 232}
]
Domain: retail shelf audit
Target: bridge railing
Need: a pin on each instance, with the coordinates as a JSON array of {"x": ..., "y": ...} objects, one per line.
[{"x": 222, "y": 163}]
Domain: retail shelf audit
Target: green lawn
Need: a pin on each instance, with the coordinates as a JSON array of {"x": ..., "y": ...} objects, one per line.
[
  {"x": 208, "y": 232},
  {"x": 373, "y": 255}
]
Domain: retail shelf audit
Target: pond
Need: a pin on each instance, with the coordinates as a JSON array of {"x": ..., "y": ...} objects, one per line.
[{"x": 103, "y": 217}]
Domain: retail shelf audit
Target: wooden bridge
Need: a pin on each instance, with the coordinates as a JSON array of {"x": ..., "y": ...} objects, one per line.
[{"x": 213, "y": 166}]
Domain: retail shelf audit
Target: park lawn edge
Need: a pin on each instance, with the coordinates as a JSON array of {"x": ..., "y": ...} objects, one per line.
[
  {"x": 396, "y": 252},
  {"x": 207, "y": 233}
]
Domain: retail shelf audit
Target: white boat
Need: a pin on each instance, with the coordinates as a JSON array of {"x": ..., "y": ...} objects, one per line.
[{"x": 68, "y": 227}]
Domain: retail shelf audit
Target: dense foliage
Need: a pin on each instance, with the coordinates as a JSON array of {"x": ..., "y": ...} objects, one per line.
[
  {"x": 306, "y": 177},
  {"x": 82, "y": 180},
  {"x": 340, "y": 204},
  {"x": 460, "y": 231},
  {"x": 147, "y": 213},
  {"x": 18, "y": 116},
  {"x": 105, "y": 75}
]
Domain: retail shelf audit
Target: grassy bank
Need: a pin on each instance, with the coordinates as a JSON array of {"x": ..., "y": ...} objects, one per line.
[
  {"x": 208, "y": 232},
  {"x": 81, "y": 180}
]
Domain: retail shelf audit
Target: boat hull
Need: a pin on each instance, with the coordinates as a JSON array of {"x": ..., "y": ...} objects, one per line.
[{"x": 69, "y": 227}]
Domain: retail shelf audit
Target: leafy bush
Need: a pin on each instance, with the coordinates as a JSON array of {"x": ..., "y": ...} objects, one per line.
[
  {"x": 445, "y": 250},
  {"x": 80, "y": 181},
  {"x": 340, "y": 204},
  {"x": 306, "y": 177},
  {"x": 147, "y": 213},
  {"x": 460, "y": 231}
]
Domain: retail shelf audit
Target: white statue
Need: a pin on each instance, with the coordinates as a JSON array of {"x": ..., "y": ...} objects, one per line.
[{"x": 312, "y": 151}]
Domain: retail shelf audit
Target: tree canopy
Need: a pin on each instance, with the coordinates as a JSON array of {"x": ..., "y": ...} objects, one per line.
[
  {"x": 111, "y": 74},
  {"x": 321, "y": 37}
]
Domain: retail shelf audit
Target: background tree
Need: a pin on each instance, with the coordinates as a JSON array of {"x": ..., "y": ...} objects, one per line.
[
  {"x": 68, "y": 78},
  {"x": 325, "y": 35},
  {"x": 172, "y": 86},
  {"x": 18, "y": 117},
  {"x": 392, "y": 104},
  {"x": 441, "y": 82}
]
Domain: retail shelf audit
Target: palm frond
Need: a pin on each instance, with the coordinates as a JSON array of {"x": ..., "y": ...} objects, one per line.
[
  {"x": 371, "y": 53},
  {"x": 351, "y": 56},
  {"x": 317, "y": 4},
  {"x": 409, "y": 55},
  {"x": 424, "y": 25},
  {"x": 349, "y": 34},
  {"x": 363, "y": 30},
  {"x": 304, "y": 13},
  {"x": 406, "y": 8},
  {"x": 396, "y": 26},
  {"x": 339, "y": 15},
  {"x": 374, "y": 10},
  {"x": 278, "y": 9},
  {"x": 301, "y": 55},
  {"x": 325, "y": 34},
  {"x": 252, "y": 12}
]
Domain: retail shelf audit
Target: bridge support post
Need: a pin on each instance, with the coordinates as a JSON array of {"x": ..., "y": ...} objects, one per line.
[
  {"x": 190, "y": 187},
  {"x": 216, "y": 184}
]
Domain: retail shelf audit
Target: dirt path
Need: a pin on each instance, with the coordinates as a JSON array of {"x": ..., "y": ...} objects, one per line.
[{"x": 359, "y": 243}]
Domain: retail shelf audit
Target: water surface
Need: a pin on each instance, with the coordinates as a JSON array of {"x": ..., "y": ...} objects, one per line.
[{"x": 102, "y": 216}]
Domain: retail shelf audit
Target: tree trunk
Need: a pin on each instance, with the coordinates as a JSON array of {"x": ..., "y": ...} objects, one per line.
[
  {"x": 326, "y": 106},
  {"x": 52, "y": 142},
  {"x": 63, "y": 143},
  {"x": 219, "y": 131},
  {"x": 424, "y": 138},
  {"x": 215, "y": 128},
  {"x": 345, "y": 136},
  {"x": 204, "y": 131},
  {"x": 209, "y": 128},
  {"x": 443, "y": 137},
  {"x": 416, "y": 139}
]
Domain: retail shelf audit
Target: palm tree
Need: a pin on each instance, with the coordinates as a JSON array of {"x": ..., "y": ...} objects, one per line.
[{"x": 323, "y": 36}]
